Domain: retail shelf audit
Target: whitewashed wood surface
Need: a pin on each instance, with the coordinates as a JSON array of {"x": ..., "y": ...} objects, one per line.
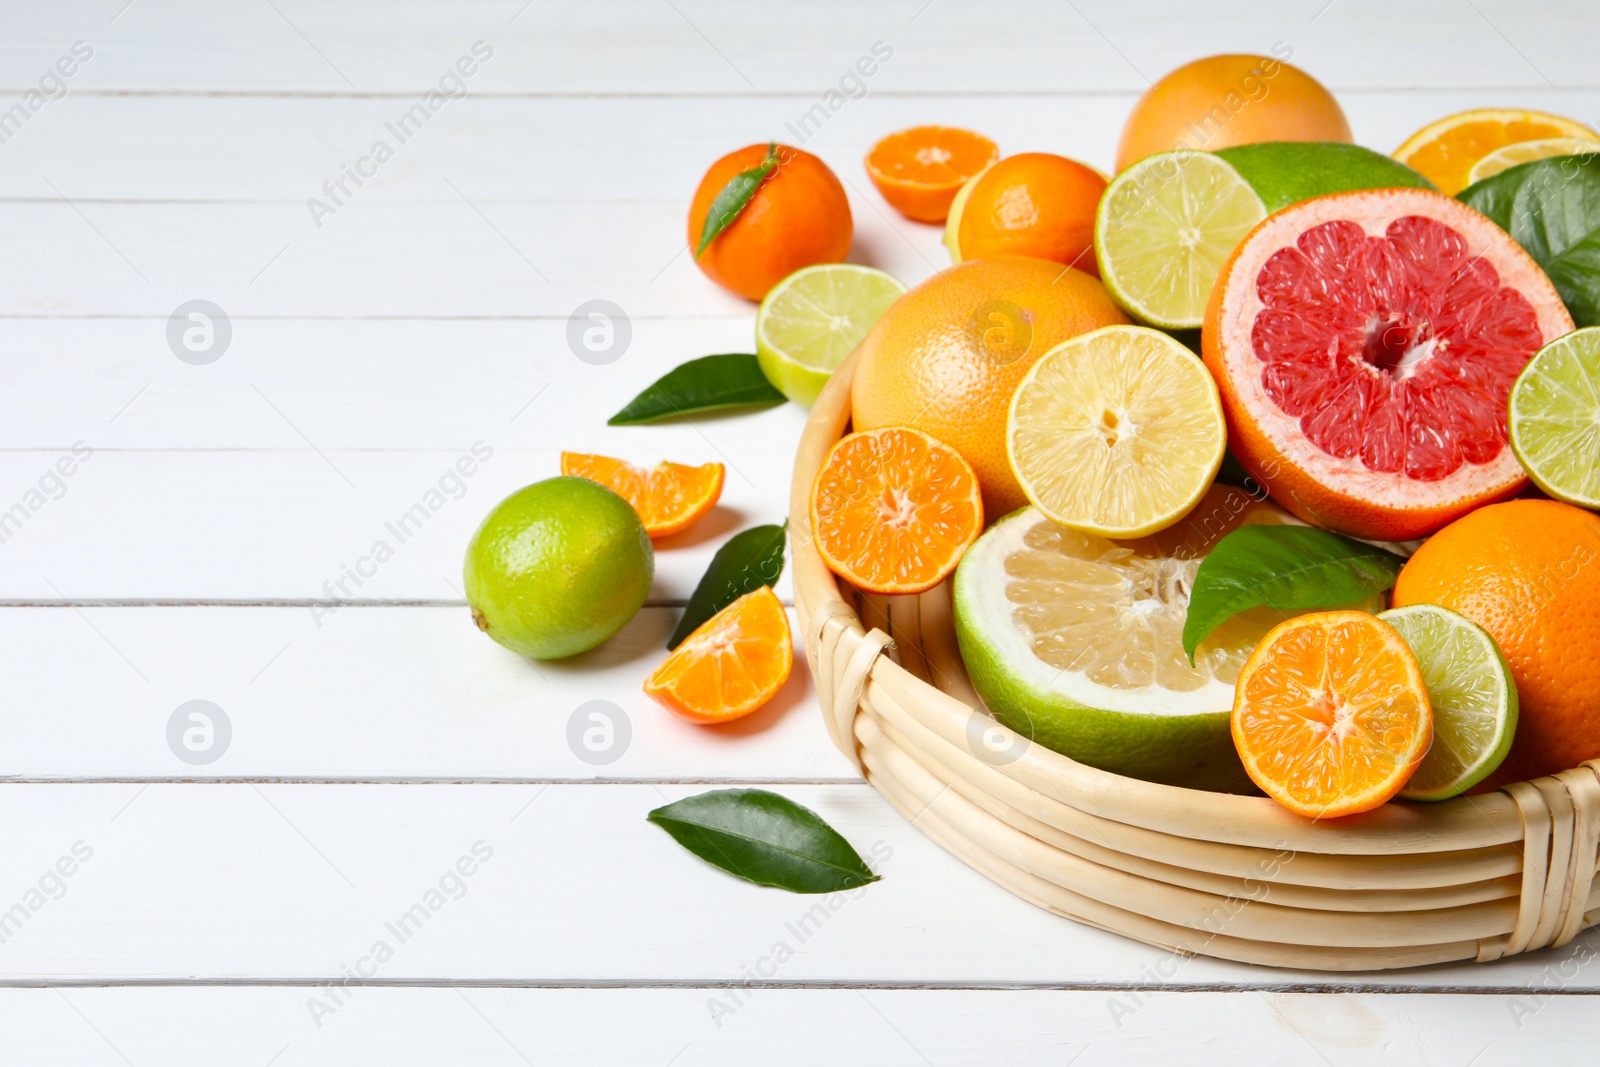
[{"x": 228, "y": 912}]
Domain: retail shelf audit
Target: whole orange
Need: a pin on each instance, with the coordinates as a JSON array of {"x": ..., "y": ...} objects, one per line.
[
  {"x": 1033, "y": 204},
  {"x": 1528, "y": 571},
  {"x": 798, "y": 217},
  {"x": 1221, "y": 101},
  {"x": 946, "y": 357}
]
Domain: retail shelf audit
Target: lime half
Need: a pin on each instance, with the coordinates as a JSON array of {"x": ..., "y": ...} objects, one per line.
[
  {"x": 1474, "y": 699},
  {"x": 1163, "y": 230},
  {"x": 1555, "y": 418},
  {"x": 812, "y": 320}
]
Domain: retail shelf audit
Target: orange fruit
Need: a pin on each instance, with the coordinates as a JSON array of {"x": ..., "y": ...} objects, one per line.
[
  {"x": 920, "y": 170},
  {"x": 946, "y": 357},
  {"x": 1445, "y": 151},
  {"x": 733, "y": 663},
  {"x": 1222, "y": 101},
  {"x": 798, "y": 217},
  {"x": 1365, "y": 344},
  {"x": 893, "y": 510},
  {"x": 1033, "y": 204},
  {"x": 1330, "y": 715},
  {"x": 1528, "y": 571},
  {"x": 668, "y": 498}
]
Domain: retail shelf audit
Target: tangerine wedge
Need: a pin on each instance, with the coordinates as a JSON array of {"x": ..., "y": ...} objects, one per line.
[
  {"x": 893, "y": 510},
  {"x": 920, "y": 170},
  {"x": 669, "y": 497},
  {"x": 1330, "y": 713},
  {"x": 1446, "y": 151},
  {"x": 736, "y": 661}
]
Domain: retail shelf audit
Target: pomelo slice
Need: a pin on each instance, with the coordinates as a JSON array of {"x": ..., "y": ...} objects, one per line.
[
  {"x": 1365, "y": 344},
  {"x": 1076, "y": 641}
]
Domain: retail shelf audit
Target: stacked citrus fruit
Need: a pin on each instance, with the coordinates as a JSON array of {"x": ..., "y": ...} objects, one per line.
[{"x": 1173, "y": 436}]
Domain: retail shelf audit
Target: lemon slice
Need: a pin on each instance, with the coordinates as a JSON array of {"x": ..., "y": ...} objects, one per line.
[
  {"x": 1511, "y": 155},
  {"x": 1164, "y": 228},
  {"x": 814, "y": 318},
  {"x": 1117, "y": 432}
]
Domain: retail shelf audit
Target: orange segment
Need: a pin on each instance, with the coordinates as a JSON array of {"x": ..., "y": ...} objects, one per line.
[
  {"x": 1445, "y": 151},
  {"x": 1330, "y": 715},
  {"x": 892, "y": 510},
  {"x": 734, "y": 663},
  {"x": 920, "y": 170},
  {"x": 668, "y": 498}
]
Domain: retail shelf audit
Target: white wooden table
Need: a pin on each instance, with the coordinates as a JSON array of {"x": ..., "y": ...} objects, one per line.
[{"x": 227, "y": 912}]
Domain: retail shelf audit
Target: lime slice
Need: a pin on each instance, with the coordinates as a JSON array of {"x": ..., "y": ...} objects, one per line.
[
  {"x": 1117, "y": 432},
  {"x": 1511, "y": 155},
  {"x": 1163, "y": 230},
  {"x": 1474, "y": 699},
  {"x": 1555, "y": 418},
  {"x": 813, "y": 319}
]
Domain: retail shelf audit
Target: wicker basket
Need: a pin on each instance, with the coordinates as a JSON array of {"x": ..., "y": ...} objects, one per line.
[{"x": 1235, "y": 877}]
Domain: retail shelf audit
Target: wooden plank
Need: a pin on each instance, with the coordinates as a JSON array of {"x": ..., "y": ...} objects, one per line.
[
  {"x": 266, "y": 882},
  {"x": 702, "y": 46},
  {"x": 627, "y": 1027},
  {"x": 367, "y": 693}
]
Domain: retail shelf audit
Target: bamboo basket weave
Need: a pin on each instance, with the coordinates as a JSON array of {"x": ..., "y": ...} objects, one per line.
[{"x": 1235, "y": 877}]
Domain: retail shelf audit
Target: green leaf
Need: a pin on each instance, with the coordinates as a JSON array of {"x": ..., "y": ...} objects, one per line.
[
  {"x": 1548, "y": 205},
  {"x": 749, "y": 560},
  {"x": 734, "y": 196},
  {"x": 704, "y": 384},
  {"x": 766, "y": 839},
  {"x": 1287, "y": 567},
  {"x": 1576, "y": 275}
]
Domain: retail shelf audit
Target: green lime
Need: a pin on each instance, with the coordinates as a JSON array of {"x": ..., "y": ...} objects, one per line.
[
  {"x": 1474, "y": 699},
  {"x": 1164, "y": 228},
  {"x": 1287, "y": 172},
  {"x": 1555, "y": 417},
  {"x": 813, "y": 319},
  {"x": 558, "y": 567}
]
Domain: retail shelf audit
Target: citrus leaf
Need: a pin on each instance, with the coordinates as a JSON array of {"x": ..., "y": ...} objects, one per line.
[
  {"x": 1548, "y": 205},
  {"x": 704, "y": 384},
  {"x": 749, "y": 560},
  {"x": 733, "y": 197},
  {"x": 1291, "y": 568},
  {"x": 1576, "y": 276},
  {"x": 766, "y": 839}
]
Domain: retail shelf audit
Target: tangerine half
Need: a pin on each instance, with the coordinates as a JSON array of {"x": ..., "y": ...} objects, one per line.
[{"x": 668, "y": 498}]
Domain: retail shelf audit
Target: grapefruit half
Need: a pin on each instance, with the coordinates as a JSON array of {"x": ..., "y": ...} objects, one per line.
[{"x": 1365, "y": 344}]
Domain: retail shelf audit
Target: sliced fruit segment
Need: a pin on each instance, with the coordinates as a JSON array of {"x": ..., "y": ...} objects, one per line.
[
  {"x": 1447, "y": 150},
  {"x": 1331, "y": 714},
  {"x": 893, "y": 510},
  {"x": 1527, "y": 152},
  {"x": 1117, "y": 432},
  {"x": 1470, "y": 690},
  {"x": 1555, "y": 418},
  {"x": 813, "y": 319},
  {"x": 736, "y": 661},
  {"x": 920, "y": 170},
  {"x": 1365, "y": 344},
  {"x": 669, "y": 497},
  {"x": 1075, "y": 641},
  {"x": 1163, "y": 230}
]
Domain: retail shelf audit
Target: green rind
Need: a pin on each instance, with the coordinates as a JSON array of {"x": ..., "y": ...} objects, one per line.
[
  {"x": 1517, "y": 413},
  {"x": 1490, "y": 761},
  {"x": 1287, "y": 172},
  {"x": 1195, "y": 751}
]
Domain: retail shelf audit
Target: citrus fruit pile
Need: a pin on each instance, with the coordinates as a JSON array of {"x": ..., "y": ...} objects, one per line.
[
  {"x": 1265, "y": 464},
  {"x": 1209, "y": 407}
]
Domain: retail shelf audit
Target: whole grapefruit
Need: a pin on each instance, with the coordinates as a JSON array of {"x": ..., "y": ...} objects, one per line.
[
  {"x": 1365, "y": 344},
  {"x": 798, "y": 217},
  {"x": 1528, "y": 571},
  {"x": 946, "y": 357},
  {"x": 1222, "y": 101}
]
